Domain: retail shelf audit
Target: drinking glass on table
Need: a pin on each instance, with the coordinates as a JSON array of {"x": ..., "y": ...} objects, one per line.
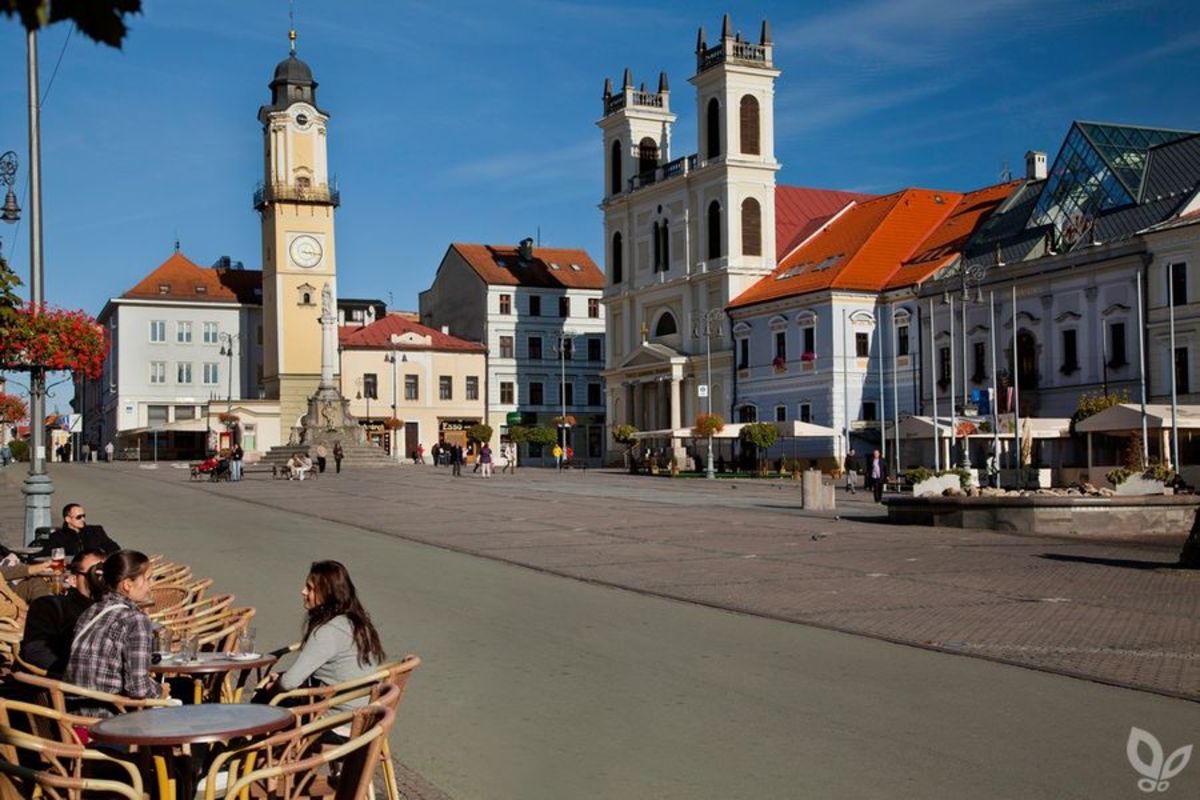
[
  {"x": 162, "y": 643},
  {"x": 245, "y": 641},
  {"x": 190, "y": 647},
  {"x": 58, "y": 565}
]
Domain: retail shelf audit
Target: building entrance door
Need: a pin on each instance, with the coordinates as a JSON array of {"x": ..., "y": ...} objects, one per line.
[{"x": 411, "y": 432}]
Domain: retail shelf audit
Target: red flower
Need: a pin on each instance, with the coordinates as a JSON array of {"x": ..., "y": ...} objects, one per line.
[{"x": 56, "y": 339}]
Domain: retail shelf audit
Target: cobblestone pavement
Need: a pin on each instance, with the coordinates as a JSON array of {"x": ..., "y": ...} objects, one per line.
[{"x": 1115, "y": 612}]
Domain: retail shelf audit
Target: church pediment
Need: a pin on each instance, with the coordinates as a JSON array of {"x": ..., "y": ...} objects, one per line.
[{"x": 650, "y": 355}]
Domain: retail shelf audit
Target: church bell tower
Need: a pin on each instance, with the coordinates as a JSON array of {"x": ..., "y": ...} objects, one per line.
[{"x": 296, "y": 203}]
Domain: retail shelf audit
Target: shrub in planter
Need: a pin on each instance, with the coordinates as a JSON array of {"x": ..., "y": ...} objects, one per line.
[
  {"x": 914, "y": 475},
  {"x": 1159, "y": 472},
  {"x": 1118, "y": 476}
]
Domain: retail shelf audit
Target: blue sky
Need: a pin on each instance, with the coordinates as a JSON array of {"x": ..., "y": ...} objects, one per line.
[{"x": 475, "y": 121}]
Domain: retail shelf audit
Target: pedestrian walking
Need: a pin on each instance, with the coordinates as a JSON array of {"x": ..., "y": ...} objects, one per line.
[
  {"x": 85, "y": 451},
  {"x": 510, "y": 458},
  {"x": 338, "y": 455},
  {"x": 420, "y": 453},
  {"x": 456, "y": 460},
  {"x": 475, "y": 451},
  {"x": 877, "y": 472},
  {"x": 5, "y": 455},
  {"x": 108, "y": 452},
  {"x": 436, "y": 452},
  {"x": 851, "y": 470},
  {"x": 235, "y": 462},
  {"x": 485, "y": 460},
  {"x": 322, "y": 454}
]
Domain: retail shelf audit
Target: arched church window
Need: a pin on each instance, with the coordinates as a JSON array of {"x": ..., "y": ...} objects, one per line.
[
  {"x": 749, "y": 127},
  {"x": 306, "y": 299},
  {"x": 714, "y": 229},
  {"x": 647, "y": 156},
  {"x": 751, "y": 227},
  {"x": 614, "y": 168},
  {"x": 303, "y": 182},
  {"x": 713, "y": 128},
  {"x": 666, "y": 325},
  {"x": 617, "y": 258}
]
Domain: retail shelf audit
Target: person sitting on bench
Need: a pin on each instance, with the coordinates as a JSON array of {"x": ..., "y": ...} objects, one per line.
[{"x": 299, "y": 466}]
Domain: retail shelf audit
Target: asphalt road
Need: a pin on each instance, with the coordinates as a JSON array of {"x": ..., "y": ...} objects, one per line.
[{"x": 536, "y": 686}]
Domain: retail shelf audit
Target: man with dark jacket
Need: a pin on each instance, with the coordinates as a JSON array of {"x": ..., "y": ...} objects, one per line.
[
  {"x": 877, "y": 473},
  {"x": 50, "y": 624},
  {"x": 76, "y": 536}
]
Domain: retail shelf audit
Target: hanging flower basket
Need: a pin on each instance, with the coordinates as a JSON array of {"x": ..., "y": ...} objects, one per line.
[
  {"x": 565, "y": 422},
  {"x": 228, "y": 418},
  {"x": 707, "y": 425},
  {"x": 53, "y": 339},
  {"x": 12, "y": 408},
  {"x": 392, "y": 423}
]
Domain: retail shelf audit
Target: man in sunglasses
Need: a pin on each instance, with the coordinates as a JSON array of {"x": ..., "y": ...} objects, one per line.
[
  {"x": 50, "y": 625},
  {"x": 76, "y": 535}
]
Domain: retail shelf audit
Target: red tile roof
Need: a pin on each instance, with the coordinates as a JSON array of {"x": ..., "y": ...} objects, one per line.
[
  {"x": 179, "y": 278},
  {"x": 378, "y": 336},
  {"x": 501, "y": 264},
  {"x": 881, "y": 242},
  {"x": 800, "y": 211}
]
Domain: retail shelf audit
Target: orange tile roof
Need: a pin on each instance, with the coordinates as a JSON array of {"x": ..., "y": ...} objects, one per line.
[
  {"x": 378, "y": 336},
  {"x": 880, "y": 243},
  {"x": 179, "y": 278},
  {"x": 800, "y": 211},
  {"x": 500, "y": 264}
]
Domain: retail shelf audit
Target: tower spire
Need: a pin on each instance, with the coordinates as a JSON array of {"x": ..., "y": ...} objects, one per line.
[
  {"x": 726, "y": 28},
  {"x": 292, "y": 26}
]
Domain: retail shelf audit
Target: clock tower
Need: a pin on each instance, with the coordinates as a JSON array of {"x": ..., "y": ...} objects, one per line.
[{"x": 296, "y": 203}]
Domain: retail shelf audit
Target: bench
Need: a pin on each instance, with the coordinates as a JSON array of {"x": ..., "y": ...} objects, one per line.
[{"x": 285, "y": 473}]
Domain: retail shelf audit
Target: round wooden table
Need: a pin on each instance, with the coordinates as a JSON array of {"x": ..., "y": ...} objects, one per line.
[
  {"x": 160, "y": 731},
  {"x": 208, "y": 670}
]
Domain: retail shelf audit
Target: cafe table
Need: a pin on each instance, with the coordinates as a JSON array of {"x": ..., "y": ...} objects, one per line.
[
  {"x": 208, "y": 671},
  {"x": 166, "y": 732}
]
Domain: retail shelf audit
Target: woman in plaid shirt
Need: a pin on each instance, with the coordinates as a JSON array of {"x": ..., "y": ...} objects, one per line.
[{"x": 114, "y": 638}]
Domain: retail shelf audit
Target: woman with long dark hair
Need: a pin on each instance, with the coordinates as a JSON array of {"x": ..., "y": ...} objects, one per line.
[
  {"x": 339, "y": 643},
  {"x": 114, "y": 638}
]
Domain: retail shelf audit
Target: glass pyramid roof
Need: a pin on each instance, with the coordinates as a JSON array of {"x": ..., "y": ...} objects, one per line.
[{"x": 1099, "y": 167}]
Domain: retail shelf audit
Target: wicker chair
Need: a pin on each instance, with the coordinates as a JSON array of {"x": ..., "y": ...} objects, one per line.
[
  {"x": 355, "y": 761},
  {"x": 60, "y": 768},
  {"x": 59, "y": 695}
]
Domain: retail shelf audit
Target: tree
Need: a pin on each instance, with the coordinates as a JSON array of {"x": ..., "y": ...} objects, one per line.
[
  {"x": 543, "y": 435},
  {"x": 12, "y": 408},
  {"x": 760, "y": 435},
  {"x": 707, "y": 425},
  {"x": 625, "y": 434},
  {"x": 1093, "y": 403},
  {"x": 518, "y": 434},
  {"x": 101, "y": 21},
  {"x": 479, "y": 433}
]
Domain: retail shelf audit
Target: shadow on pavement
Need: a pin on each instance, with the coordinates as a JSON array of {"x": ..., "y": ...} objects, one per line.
[{"x": 1123, "y": 563}]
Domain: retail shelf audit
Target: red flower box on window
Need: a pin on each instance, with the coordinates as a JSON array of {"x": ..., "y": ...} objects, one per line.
[
  {"x": 52, "y": 339},
  {"x": 779, "y": 364},
  {"x": 808, "y": 357}
]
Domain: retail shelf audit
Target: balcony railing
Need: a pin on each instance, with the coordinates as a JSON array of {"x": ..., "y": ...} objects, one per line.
[
  {"x": 732, "y": 50},
  {"x": 325, "y": 194},
  {"x": 616, "y": 102},
  {"x": 672, "y": 169}
]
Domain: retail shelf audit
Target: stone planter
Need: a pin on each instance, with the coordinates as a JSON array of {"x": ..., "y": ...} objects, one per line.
[{"x": 1137, "y": 486}]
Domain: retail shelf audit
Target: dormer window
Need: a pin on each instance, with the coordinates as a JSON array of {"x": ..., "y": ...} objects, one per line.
[
  {"x": 201, "y": 290},
  {"x": 164, "y": 288}
]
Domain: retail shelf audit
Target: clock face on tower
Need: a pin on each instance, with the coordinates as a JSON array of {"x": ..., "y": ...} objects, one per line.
[
  {"x": 305, "y": 251},
  {"x": 302, "y": 117}
]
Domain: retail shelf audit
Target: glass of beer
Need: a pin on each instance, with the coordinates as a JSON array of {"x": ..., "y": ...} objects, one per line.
[{"x": 58, "y": 560}]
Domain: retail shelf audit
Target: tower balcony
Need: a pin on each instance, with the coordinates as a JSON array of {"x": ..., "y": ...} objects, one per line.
[
  {"x": 735, "y": 51},
  {"x": 322, "y": 194},
  {"x": 672, "y": 169},
  {"x": 630, "y": 98}
]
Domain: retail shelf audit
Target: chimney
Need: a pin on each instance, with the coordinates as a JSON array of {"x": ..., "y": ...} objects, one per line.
[
  {"x": 446, "y": 329},
  {"x": 525, "y": 249},
  {"x": 1035, "y": 165}
]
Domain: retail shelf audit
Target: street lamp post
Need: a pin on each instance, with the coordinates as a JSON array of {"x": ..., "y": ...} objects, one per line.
[
  {"x": 227, "y": 342},
  {"x": 565, "y": 348},
  {"x": 395, "y": 358},
  {"x": 970, "y": 276},
  {"x": 713, "y": 317}
]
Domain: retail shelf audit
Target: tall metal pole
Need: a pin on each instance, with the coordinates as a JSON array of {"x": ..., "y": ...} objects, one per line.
[
  {"x": 708, "y": 468},
  {"x": 1175, "y": 464},
  {"x": 895, "y": 392},
  {"x": 965, "y": 396},
  {"x": 1016, "y": 369},
  {"x": 38, "y": 488},
  {"x": 953, "y": 391},
  {"x": 933, "y": 386},
  {"x": 395, "y": 404},
  {"x": 995, "y": 386},
  {"x": 845, "y": 385},
  {"x": 882, "y": 395},
  {"x": 1142, "y": 371}
]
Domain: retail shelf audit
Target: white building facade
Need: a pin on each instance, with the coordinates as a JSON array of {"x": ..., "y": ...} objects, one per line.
[{"x": 539, "y": 312}]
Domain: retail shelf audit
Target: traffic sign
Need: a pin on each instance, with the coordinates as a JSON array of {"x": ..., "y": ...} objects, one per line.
[{"x": 702, "y": 390}]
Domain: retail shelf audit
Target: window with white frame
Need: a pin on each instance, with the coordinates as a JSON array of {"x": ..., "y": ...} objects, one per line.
[
  {"x": 212, "y": 373},
  {"x": 211, "y": 333},
  {"x": 781, "y": 413},
  {"x": 158, "y": 372},
  {"x": 183, "y": 372},
  {"x": 472, "y": 387},
  {"x": 158, "y": 331},
  {"x": 183, "y": 332}
]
